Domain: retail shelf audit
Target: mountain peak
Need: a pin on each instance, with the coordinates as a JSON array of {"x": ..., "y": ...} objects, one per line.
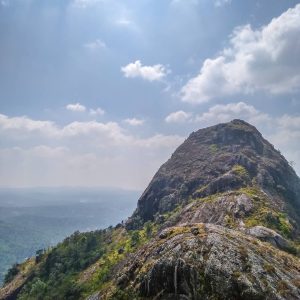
[
  {"x": 240, "y": 122},
  {"x": 225, "y": 157},
  {"x": 235, "y": 132}
]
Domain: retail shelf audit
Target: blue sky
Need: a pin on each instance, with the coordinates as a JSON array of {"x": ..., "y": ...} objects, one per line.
[{"x": 101, "y": 92}]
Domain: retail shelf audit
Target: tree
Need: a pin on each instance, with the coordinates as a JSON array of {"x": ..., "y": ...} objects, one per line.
[{"x": 38, "y": 289}]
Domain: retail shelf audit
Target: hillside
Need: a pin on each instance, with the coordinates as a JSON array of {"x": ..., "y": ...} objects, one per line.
[{"x": 219, "y": 220}]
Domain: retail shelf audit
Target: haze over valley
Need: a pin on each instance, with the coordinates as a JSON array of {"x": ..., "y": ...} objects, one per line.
[{"x": 37, "y": 218}]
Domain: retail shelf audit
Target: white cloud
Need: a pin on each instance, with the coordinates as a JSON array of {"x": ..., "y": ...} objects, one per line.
[
  {"x": 150, "y": 73},
  {"x": 224, "y": 113},
  {"x": 178, "y": 117},
  {"x": 79, "y": 153},
  {"x": 160, "y": 141},
  {"x": 26, "y": 125},
  {"x": 289, "y": 122},
  {"x": 97, "y": 112},
  {"x": 20, "y": 127},
  {"x": 110, "y": 130},
  {"x": 134, "y": 121},
  {"x": 95, "y": 45},
  {"x": 286, "y": 137},
  {"x": 209, "y": 83},
  {"x": 76, "y": 107},
  {"x": 266, "y": 59}
]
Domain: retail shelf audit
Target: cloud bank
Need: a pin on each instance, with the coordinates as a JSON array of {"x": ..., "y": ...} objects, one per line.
[
  {"x": 266, "y": 59},
  {"x": 43, "y": 153}
]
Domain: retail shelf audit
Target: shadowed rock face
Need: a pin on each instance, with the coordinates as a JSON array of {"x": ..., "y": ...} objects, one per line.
[{"x": 217, "y": 159}]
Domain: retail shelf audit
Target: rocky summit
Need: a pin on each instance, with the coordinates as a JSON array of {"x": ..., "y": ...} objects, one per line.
[
  {"x": 217, "y": 159},
  {"x": 219, "y": 220}
]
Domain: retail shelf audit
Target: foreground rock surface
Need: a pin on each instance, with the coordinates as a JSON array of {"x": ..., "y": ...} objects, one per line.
[{"x": 206, "y": 261}]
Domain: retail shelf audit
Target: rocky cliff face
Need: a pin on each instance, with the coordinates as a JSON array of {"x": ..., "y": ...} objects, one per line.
[
  {"x": 219, "y": 220},
  {"x": 217, "y": 159}
]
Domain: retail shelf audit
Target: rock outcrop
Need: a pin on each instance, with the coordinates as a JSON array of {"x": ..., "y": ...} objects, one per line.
[{"x": 206, "y": 261}]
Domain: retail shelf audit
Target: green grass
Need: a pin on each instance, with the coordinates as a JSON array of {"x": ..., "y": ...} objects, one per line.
[
  {"x": 268, "y": 217},
  {"x": 240, "y": 171}
]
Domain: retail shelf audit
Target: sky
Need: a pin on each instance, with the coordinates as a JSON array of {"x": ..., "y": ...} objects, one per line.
[{"x": 101, "y": 92}]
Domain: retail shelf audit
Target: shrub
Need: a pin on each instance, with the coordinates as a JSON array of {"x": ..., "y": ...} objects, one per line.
[{"x": 11, "y": 273}]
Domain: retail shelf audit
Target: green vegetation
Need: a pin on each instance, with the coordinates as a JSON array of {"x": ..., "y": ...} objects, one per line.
[
  {"x": 240, "y": 171},
  {"x": 264, "y": 214},
  {"x": 124, "y": 242},
  {"x": 66, "y": 271},
  {"x": 268, "y": 217},
  {"x": 55, "y": 278}
]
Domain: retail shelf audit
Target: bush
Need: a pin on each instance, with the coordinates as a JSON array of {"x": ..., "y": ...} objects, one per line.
[{"x": 11, "y": 273}]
